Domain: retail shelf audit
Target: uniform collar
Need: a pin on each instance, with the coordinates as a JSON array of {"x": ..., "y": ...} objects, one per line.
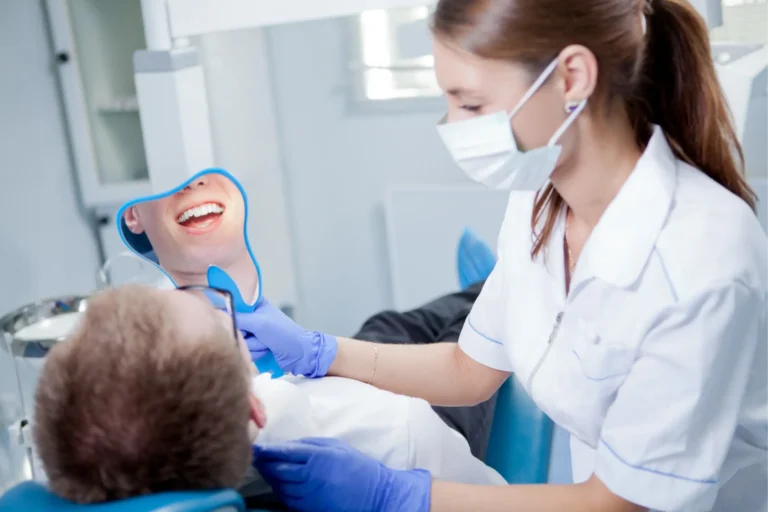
[{"x": 621, "y": 243}]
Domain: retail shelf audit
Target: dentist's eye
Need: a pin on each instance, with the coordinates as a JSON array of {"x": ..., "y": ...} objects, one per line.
[{"x": 471, "y": 108}]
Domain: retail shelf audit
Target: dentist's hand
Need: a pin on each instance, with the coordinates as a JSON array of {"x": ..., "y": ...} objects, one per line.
[
  {"x": 267, "y": 329},
  {"x": 296, "y": 350},
  {"x": 327, "y": 474}
]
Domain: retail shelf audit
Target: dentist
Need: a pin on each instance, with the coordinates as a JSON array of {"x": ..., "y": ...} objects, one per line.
[{"x": 629, "y": 296}]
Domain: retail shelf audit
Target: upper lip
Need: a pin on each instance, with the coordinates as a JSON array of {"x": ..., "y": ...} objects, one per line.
[{"x": 196, "y": 204}]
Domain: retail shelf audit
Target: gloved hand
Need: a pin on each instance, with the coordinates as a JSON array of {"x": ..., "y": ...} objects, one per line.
[
  {"x": 327, "y": 474},
  {"x": 266, "y": 329},
  {"x": 296, "y": 350}
]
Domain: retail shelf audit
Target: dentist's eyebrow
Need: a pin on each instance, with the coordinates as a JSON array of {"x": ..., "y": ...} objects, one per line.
[{"x": 458, "y": 91}]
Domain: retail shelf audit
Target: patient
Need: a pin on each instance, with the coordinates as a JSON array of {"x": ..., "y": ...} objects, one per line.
[
  {"x": 148, "y": 394},
  {"x": 153, "y": 392},
  {"x": 200, "y": 225}
]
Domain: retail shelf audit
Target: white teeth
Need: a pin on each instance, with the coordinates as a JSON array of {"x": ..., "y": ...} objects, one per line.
[{"x": 200, "y": 211}]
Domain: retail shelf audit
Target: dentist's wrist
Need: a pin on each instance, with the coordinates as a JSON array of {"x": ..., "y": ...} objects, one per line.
[
  {"x": 407, "y": 490},
  {"x": 324, "y": 349}
]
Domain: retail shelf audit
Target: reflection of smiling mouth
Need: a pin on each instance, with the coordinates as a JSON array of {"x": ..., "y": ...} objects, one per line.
[{"x": 201, "y": 216}]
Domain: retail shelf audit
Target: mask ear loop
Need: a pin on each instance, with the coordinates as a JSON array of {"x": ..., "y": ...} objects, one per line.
[
  {"x": 534, "y": 87},
  {"x": 568, "y": 122}
]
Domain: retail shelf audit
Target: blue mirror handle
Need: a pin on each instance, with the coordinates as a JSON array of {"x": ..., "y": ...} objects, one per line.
[{"x": 218, "y": 278}]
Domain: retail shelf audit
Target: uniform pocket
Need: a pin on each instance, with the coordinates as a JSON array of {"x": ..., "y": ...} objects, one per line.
[{"x": 600, "y": 359}]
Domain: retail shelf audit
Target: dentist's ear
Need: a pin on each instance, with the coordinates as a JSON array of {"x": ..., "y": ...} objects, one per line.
[
  {"x": 133, "y": 221},
  {"x": 578, "y": 69}
]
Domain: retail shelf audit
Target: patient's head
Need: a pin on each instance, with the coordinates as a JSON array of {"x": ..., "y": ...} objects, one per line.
[
  {"x": 184, "y": 233},
  {"x": 200, "y": 225},
  {"x": 148, "y": 394}
]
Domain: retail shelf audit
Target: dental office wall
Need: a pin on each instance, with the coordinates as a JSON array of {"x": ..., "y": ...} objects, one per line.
[
  {"x": 338, "y": 163},
  {"x": 46, "y": 246},
  {"x": 245, "y": 140}
]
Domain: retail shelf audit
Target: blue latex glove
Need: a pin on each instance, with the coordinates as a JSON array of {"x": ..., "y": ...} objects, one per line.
[
  {"x": 296, "y": 350},
  {"x": 327, "y": 474}
]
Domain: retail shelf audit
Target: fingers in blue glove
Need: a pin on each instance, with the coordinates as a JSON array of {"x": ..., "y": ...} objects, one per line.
[
  {"x": 326, "y": 442},
  {"x": 295, "y": 349},
  {"x": 256, "y": 348},
  {"x": 329, "y": 474},
  {"x": 292, "y": 451},
  {"x": 301, "y": 450},
  {"x": 285, "y": 472}
]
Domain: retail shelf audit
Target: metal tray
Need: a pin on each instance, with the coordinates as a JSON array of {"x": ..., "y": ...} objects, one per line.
[{"x": 35, "y": 313}]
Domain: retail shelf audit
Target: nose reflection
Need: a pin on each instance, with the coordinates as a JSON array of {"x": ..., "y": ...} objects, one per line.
[{"x": 199, "y": 182}]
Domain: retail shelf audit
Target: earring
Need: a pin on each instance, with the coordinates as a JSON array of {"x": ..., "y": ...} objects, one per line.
[{"x": 571, "y": 105}]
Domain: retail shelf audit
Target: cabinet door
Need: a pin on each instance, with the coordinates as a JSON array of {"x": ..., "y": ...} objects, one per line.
[{"x": 94, "y": 42}]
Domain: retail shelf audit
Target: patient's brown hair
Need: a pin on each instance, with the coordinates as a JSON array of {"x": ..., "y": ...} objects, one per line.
[{"x": 125, "y": 407}]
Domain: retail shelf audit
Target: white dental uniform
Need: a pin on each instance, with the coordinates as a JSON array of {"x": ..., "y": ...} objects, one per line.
[{"x": 655, "y": 362}]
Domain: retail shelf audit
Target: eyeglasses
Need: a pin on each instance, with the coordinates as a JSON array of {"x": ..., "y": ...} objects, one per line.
[{"x": 219, "y": 299}]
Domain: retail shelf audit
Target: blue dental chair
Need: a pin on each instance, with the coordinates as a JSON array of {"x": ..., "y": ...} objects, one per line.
[
  {"x": 520, "y": 446},
  {"x": 32, "y": 496}
]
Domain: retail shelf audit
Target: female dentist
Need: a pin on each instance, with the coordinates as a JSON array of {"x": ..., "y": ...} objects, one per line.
[{"x": 629, "y": 296}]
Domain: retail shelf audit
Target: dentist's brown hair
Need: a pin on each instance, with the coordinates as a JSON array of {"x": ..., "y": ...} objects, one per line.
[{"x": 665, "y": 76}]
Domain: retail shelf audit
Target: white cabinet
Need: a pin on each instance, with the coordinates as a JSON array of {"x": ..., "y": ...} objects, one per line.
[{"x": 94, "y": 41}]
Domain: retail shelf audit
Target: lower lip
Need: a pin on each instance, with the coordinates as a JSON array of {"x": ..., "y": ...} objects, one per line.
[{"x": 206, "y": 228}]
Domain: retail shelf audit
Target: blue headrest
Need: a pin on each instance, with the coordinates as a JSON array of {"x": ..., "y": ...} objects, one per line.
[
  {"x": 31, "y": 496},
  {"x": 475, "y": 259}
]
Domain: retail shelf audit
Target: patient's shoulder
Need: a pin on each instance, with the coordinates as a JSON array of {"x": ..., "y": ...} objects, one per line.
[
  {"x": 287, "y": 407},
  {"x": 372, "y": 420}
]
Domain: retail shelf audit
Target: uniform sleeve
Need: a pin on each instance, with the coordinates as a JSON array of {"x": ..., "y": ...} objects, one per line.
[
  {"x": 481, "y": 338},
  {"x": 665, "y": 438}
]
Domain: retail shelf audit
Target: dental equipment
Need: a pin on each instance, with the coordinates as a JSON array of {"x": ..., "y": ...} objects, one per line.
[{"x": 28, "y": 334}]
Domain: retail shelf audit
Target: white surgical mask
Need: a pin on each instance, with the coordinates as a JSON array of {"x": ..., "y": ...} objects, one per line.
[{"x": 485, "y": 148}]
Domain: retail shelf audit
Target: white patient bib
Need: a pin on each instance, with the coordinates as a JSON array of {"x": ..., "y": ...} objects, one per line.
[
  {"x": 400, "y": 432},
  {"x": 288, "y": 410}
]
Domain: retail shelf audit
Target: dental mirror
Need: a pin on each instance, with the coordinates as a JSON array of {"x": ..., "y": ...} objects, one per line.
[{"x": 198, "y": 226}]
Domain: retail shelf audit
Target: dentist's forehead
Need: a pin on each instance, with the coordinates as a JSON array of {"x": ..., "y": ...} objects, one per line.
[
  {"x": 461, "y": 73},
  {"x": 455, "y": 68}
]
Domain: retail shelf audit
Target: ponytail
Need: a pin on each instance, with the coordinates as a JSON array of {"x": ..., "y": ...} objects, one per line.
[
  {"x": 677, "y": 88},
  {"x": 680, "y": 91}
]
